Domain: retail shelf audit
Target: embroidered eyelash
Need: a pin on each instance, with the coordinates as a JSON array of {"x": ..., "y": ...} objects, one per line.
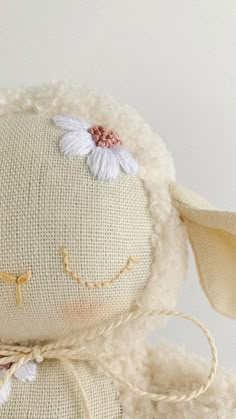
[
  {"x": 18, "y": 280},
  {"x": 101, "y": 284},
  {"x": 103, "y": 148}
]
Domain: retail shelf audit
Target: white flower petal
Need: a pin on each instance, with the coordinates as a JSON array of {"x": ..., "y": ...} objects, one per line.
[
  {"x": 103, "y": 164},
  {"x": 70, "y": 123},
  {"x": 5, "y": 389},
  {"x": 127, "y": 162},
  {"x": 26, "y": 372},
  {"x": 77, "y": 143}
]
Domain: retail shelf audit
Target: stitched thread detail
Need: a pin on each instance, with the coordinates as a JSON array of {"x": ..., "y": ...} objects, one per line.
[
  {"x": 102, "y": 146},
  {"x": 104, "y": 137},
  {"x": 101, "y": 284},
  {"x": 18, "y": 280}
]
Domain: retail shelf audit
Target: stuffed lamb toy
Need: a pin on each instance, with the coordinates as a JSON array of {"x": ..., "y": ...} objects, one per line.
[{"x": 94, "y": 235}]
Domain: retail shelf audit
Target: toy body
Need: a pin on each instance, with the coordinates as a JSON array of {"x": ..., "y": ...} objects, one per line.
[
  {"x": 90, "y": 232},
  {"x": 54, "y": 394}
]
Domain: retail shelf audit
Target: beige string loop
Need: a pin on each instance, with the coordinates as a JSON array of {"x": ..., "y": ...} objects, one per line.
[
  {"x": 18, "y": 280},
  {"x": 72, "y": 349}
]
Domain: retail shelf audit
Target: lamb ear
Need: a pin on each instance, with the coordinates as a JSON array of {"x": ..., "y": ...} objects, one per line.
[{"x": 212, "y": 235}]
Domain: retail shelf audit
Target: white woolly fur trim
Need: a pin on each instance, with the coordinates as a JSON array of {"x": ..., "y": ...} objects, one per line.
[
  {"x": 156, "y": 170},
  {"x": 166, "y": 368}
]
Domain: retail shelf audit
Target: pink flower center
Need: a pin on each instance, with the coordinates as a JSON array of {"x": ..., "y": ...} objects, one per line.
[{"x": 104, "y": 137}]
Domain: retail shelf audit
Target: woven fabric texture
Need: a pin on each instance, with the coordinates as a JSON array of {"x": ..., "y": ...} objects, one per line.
[
  {"x": 48, "y": 201},
  {"x": 54, "y": 395}
]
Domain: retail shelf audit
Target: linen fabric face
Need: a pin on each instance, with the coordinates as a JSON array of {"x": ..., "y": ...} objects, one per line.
[{"x": 50, "y": 202}]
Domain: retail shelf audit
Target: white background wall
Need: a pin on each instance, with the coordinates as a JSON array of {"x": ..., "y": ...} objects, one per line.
[{"x": 175, "y": 61}]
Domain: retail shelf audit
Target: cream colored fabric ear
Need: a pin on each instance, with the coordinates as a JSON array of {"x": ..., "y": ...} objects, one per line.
[{"x": 212, "y": 235}]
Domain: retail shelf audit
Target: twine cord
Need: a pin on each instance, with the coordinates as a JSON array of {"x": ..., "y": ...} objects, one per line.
[
  {"x": 72, "y": 348},
  {"x": 83, "y": 396}
]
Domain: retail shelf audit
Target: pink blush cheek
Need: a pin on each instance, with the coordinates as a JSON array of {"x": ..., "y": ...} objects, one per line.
[{"x": 86, "y": 311}]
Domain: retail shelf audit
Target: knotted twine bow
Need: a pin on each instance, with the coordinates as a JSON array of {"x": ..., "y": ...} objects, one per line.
[{"x": 72, "y": 349}]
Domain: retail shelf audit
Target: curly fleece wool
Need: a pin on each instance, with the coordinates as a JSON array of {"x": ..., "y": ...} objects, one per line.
[{"x": 168, "y": 367}]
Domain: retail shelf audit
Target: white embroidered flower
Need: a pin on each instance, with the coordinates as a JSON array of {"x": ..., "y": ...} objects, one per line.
[
  {"x": 26, "y": 372},
  {"x": 106, "y": 156}
]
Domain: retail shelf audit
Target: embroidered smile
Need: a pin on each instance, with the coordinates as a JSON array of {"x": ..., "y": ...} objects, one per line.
[{"x": 101, "y": 284}]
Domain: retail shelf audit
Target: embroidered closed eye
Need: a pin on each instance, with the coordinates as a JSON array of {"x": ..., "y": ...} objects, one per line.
[
  {"x": 18, "y": 281},
  {"x": 101, "y": 284}
]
